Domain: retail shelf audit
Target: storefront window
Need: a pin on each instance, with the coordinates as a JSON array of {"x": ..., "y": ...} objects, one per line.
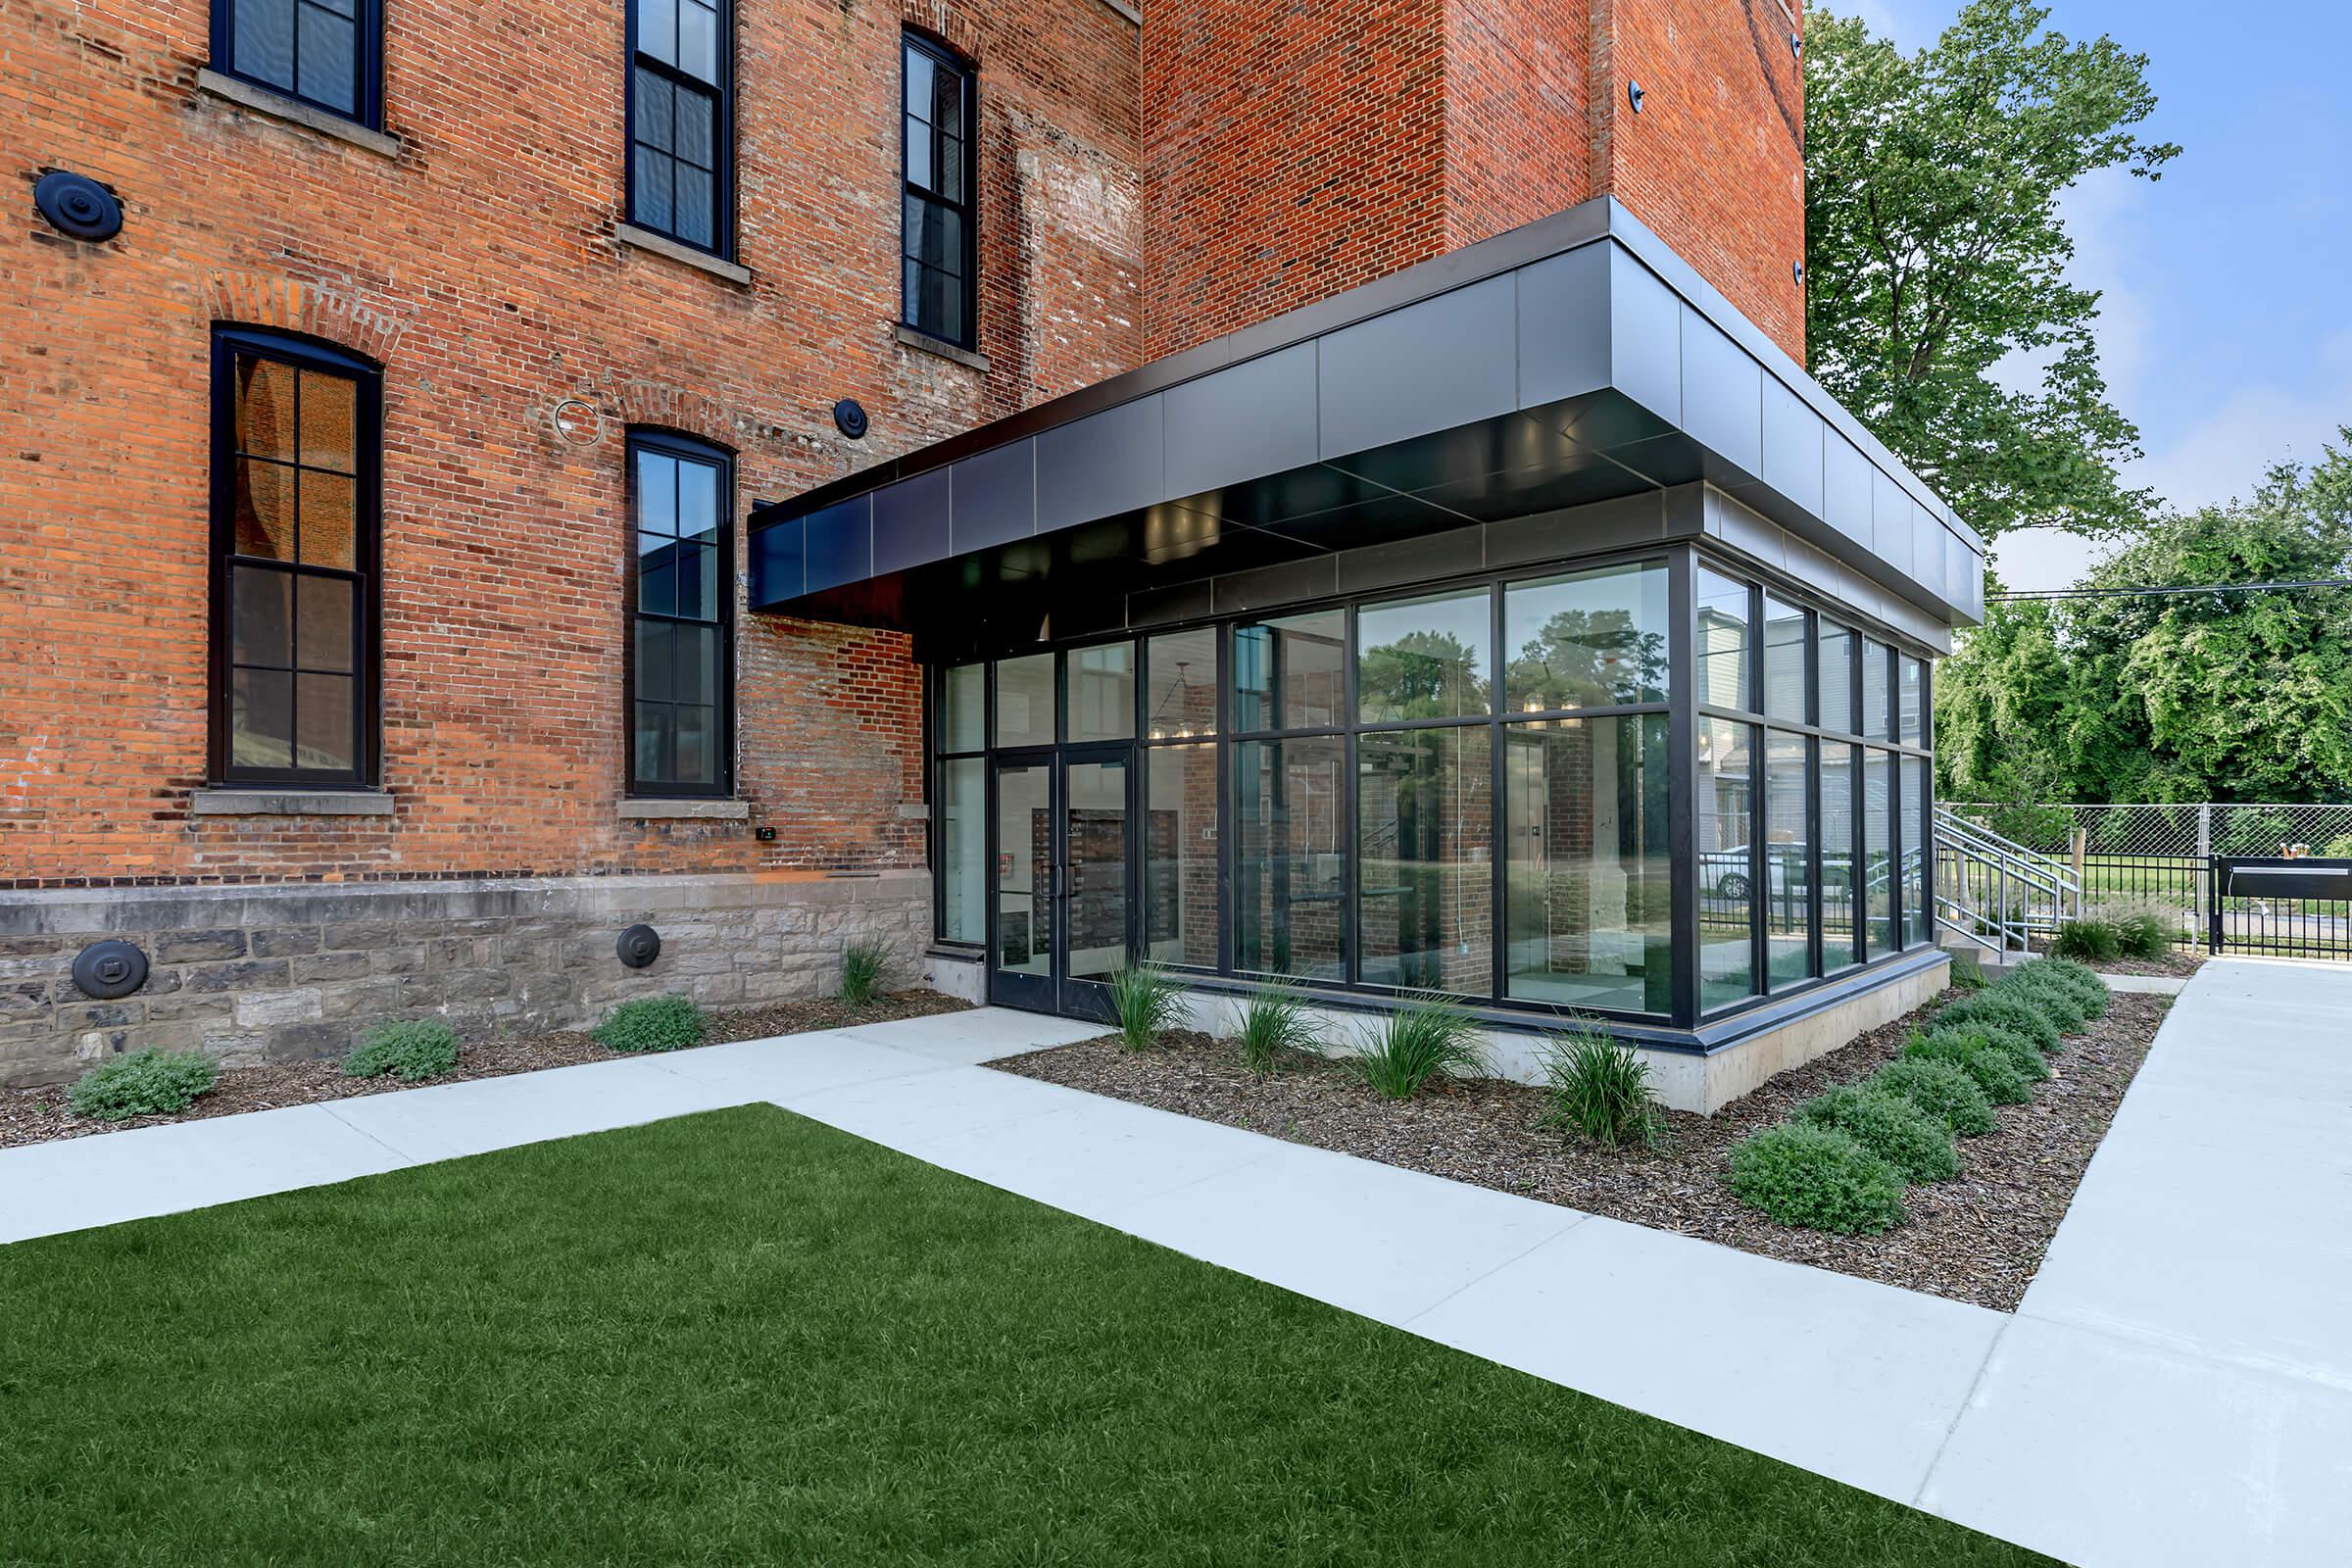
[
  {"x": 1877, "y": 851},
  {"x": 1102, "y": 692},
  {"x": 1180, "y": 855},
  {"x": 963, "y": 850},
  {"x": 1592, "y": 639},
  {"x": 1587, "y": 899},
  {"x": 1423, "y": 657},
  {"x": 1724, "y": 637},
  {"x": 1917, "y": 919},
  {"x": 1025, "y": 701},
  {"x": 1290, "y": 673},
  {"x": 1180, "y": 685},
  {"x": 1424, "y": 881},
  {"x": 1289, "y": 873},
  {"x": 1787, "y": 888},
  {"x": 1836, "y": 677},
  {"x": 1838, "y": 886},
  {"x": 1727, "y": 888},
  {"x": 1784, "y": 663}
]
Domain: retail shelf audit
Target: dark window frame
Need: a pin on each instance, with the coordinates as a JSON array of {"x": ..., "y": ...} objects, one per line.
[
  {"x": 943, "y": 56},
  {"x": 672, "y": 444},
  {"x": 367, "y": 66},
  {"x": 722, "y": 133},
  {"x": 366, "y": 572}
]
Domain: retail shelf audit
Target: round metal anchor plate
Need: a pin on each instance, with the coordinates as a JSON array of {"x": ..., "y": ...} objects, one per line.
[
  {"x": 78, "y": 205},
  {"x": 639, "y": 946},
  {"x": 105, "y": 971}
]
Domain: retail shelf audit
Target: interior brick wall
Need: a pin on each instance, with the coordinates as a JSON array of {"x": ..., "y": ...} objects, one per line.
[{"x": 480, "y": 267}]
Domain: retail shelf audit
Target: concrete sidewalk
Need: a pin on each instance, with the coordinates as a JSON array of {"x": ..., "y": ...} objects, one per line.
[{"x": 2128, "y": 1416}]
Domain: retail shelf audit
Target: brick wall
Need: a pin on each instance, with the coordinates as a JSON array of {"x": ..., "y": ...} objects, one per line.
[{"x": 479, "y": 266}]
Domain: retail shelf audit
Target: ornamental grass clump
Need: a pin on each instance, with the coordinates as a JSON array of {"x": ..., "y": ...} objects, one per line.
[
  {"x": 1943, "y": 1091},
  {"x": 1426, "y": 1036},
  {"x": 2090, "y": 939},
  {"x": 145, "y": 1083},
  {"x": 651, "y": 1023},
  {"x": 1990, "y": 1067},
  {"x": 1275, "y": 1026},
  {"x": 1818, "y": 1177},
  {"x": 2003, "y": 1009},
  {"x": 864, "y": 966},
  {"x": 411, "y": 1051},
  {"x": 1914, "y": 1143},
  {"x": 1147, "y": 1002},
  {"x": 2144, "y": 928},
  {"x": 1598, "y": 1087}
]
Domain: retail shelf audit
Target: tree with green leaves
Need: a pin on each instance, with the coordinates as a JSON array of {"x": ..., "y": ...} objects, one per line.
[
  {"x": 1937, "y": 252},
  {"x": 2185, "y": 697}
]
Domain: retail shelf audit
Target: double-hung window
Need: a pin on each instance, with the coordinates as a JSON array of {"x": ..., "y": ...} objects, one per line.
[
  {"x": 681, "y": 616},
  {"x": 327, "y": 53},
  {"x": 295, "y": 464},
  {"x": 681, "y": 121},
  {"x": 937, "y": 243}
]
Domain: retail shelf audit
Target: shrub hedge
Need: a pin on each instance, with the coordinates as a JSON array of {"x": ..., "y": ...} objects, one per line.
[
  {"x": 2003, "y": 1009},
  {"x": 145, "y": 1083},
  {"x": 411, "y": 1052},
  {"x": 1941, "y": 1089},
  {"x": 1992, "y": 1068},
  {"x": 651, "y": 1023},
  {"x": 1798, "y": 1174},
  {"x": 1917, "y": 1145}
]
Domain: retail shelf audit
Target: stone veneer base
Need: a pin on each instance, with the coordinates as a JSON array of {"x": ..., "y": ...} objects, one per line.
[{"x": 284, "y": 973}]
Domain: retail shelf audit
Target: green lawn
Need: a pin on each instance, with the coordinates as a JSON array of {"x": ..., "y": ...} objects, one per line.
[{"x": 746, "y": 1338}]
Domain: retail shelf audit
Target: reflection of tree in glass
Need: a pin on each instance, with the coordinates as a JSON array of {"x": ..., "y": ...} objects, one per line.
[
  {"x": 1422, "y": 674},
  {"x": 1590, "y": 659}
]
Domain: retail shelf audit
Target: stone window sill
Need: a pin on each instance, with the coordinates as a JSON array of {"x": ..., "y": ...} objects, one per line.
[
  {"x": 909, "y": 337},
  {"x": 289, "y": 802},
  {"x": 645, "y": 239},
  {"x": 683, "y": 810},
  {"x": 294, "y": 112}
]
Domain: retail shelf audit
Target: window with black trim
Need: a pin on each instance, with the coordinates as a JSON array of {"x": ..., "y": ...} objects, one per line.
[
  {"x": 681, "y": 114},
  {"x": 937, "y": 242},
  {"x": 681, "y": 616},
  {"x": 327, "y": 53},
  {"x": 296, "y": 453}
]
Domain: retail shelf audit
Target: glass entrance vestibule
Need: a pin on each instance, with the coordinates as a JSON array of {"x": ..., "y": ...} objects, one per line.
[{"x": 1653, "y": 787}]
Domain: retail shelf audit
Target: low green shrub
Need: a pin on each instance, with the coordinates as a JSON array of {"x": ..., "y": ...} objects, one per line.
[
  {"x": 1147, "y": 1002},
  {"x": 1967, "y": 973},
  {"x": 1817, "y": 1177},
  {"x": 1941, "y": 1089},
  {"x": 1275, "y": 1026},
  {"x": 2030, "y": 1063},
  {"x": 2146, "y": 933},
  {"x": 1427, "y": 1035},
  {"x": 145, "y": 1083},
  {"x": 864, "y": 966},
  {"x": 651, "y": 1023},
  {"x": 1992, "y": 1068},
  {"x": 2004, "y": 1009},
  {"x": 1914, "y": 1143},
  {"x": 411, "y": 1052},
  {"x": 2090, "y": 939},
  {"x": 1598, "y": 1087},
  {"x": 2084, "y": 982},
  {"x": 2058, "y": 1001}
]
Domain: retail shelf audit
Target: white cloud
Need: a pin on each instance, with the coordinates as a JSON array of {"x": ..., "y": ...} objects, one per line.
[{"x": 2245, "y": 430}]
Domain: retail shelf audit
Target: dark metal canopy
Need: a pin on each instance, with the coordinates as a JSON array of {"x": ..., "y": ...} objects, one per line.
[{"x": 1574, "y": 361}]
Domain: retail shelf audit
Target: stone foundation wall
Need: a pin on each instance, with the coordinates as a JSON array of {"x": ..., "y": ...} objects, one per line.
[{"x": 282, "y": 974}]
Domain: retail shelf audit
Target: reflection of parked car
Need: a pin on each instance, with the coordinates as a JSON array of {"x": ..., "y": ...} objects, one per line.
[{"x": 1724, "y": 872}]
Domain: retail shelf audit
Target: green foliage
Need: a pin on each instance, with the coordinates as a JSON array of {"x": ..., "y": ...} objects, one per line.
[
  {"x": 1426, "y": 1036},
  {"x": 1943, "y": 1091},
  {"x": 2004, "y": 1009},
  {"x": 2056, "y": 999},
  {"x": 1936, "y": 251},
  {"x": 651, "y": 1023},
  {"x": 411, "y": 1052},
  {"x": 864, "y": 966},
  {"x": 1275, "y": 1025},
  {"x": 1147, "y": 1002},
  {"x": 1967, "y": 973},
  {"x": 2143, "y": 927},
  {"x": 1598, "y": 1087},
  {"x": 145, "y": 1083},
  {"x": 2029, "y": 1062},
  {"x": 1817, "y": 1177},
  {"x": 1421, "y": 675},
  {"x": 2089, "y": 939},
  {"x": 2087, "y": 986},
  {"x": 1993, "y": 1070},
  {"x": 1890, "y": 1126}
]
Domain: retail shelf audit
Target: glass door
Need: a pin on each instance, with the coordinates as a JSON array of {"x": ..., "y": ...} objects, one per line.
[
  {"x": 1098, "y": 852},
  {"x": 1021, "y": 953}
]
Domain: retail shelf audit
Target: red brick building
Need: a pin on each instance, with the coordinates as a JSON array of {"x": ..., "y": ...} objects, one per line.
[{"x": 391, "y": 406}]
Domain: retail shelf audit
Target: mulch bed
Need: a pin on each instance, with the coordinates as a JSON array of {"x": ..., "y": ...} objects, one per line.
[
  {"x": 41, "y": 1115},
  {"x": 1978, "y": 1238},
  {"x": 2179, "y": 965}
]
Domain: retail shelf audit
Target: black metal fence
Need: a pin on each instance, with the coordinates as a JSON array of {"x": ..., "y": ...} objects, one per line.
[{"x": 2286, "y": 907}]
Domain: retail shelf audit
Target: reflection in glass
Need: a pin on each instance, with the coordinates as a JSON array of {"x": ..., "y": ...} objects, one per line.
[
  {"x": 1423, "y": 657},
  {"x": 1910, "y": 709},
  {"x": 1096, "y": 826},
  {"x": 1290, "y": 673},
  {"x": 1595, "y": 639},
  {"x": 1723, "y": 636},
  {"x": 1726, "y": 799},
  {"x": 1838, "y": 857},
  {"x": 1180, "y": 692},
  {"x": 1878, "y": 853},
  {"x": 1836, "y": 677},
  {"x": 1102, "y": 692},
  {"x": 963, "y": 709},
  {"x": 1589, "y": 896},
  {"x": 1784, "y": 661},
  {"x": 1024, "y": 871},
  {"x": 1180, "y": 855},
  {"x": 1916, "y": 920},
  {"x": 1425, "y": 888},
  {"x": 1788, "y": 863},
  {"x": 1025, "y": 699},
  {"x": 963, "y": 849},
  {"x": 1290, "y": 858},
  {"x": 1876, "y": 724}
]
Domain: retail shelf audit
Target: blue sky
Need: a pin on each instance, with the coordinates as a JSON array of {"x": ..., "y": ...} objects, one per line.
[{"x": 2226, "y": 320}]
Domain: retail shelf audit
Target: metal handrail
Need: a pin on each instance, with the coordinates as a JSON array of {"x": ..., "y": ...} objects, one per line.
[{"x": 2046, "y": 891}]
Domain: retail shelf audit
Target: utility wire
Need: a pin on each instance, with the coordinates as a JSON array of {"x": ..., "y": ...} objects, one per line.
[{"x": 2172, "y": 589}]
